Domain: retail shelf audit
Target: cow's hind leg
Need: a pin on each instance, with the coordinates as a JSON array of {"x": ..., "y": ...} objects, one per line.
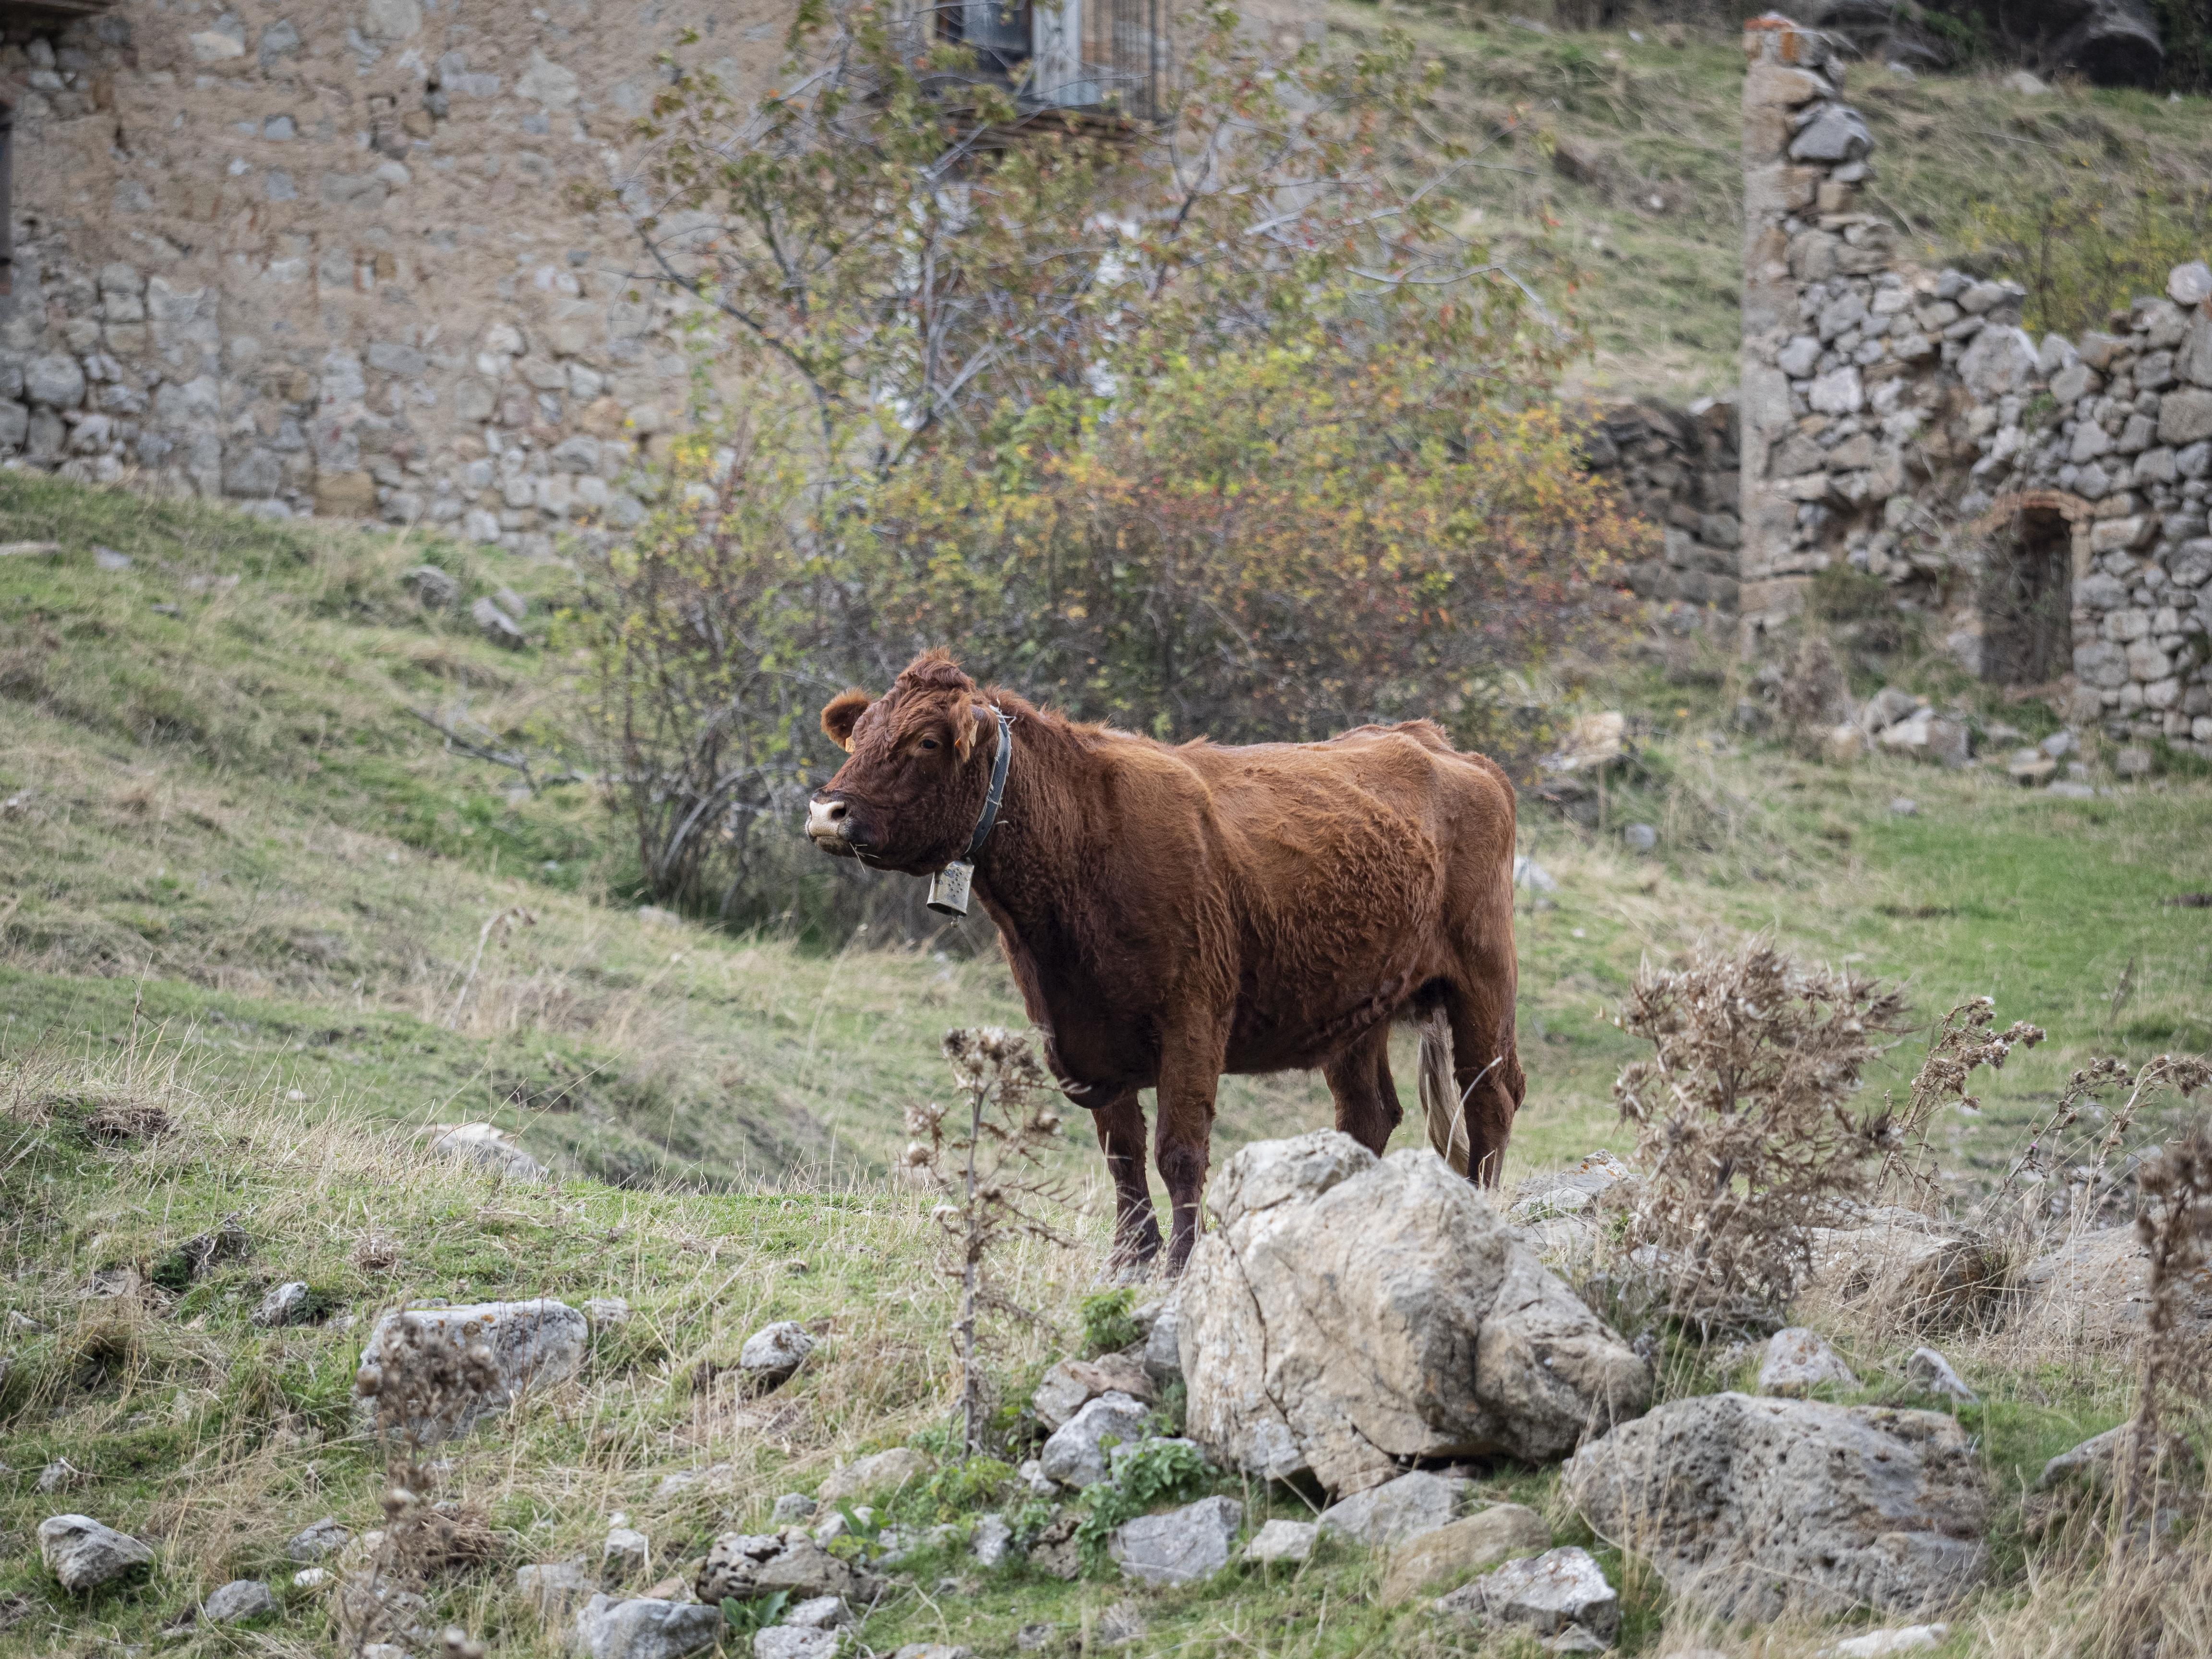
[
  {"x": 1485, "y": 1063},
  {"x": 1120, "y": 1126},
  {"x": 1358, "y": 1077}
]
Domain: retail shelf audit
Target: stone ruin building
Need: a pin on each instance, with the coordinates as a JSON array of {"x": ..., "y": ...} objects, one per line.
[{"x": 332, "y": 259}]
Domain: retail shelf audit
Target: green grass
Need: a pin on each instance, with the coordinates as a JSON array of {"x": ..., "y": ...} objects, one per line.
[
  {"x": 261, "y": 918},
  {"x": 1658, "y": 287}
]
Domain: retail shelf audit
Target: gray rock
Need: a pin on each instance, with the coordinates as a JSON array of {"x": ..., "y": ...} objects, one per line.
[
  {"x": 773, "y": 1354},
  {"x": 534, "y": 1346},
  {"x": 1880, "y": 1643},
  {"x": 742, "y": 1566},
  {"x": 487, "y": 1144},
  {"x": 1836, "y": 133},
  {"x": 2001, "y": 361},
  {"x": 1034, "y": 1480},
  {"x": 1350, "y": 1313},
  {"x": 554, "y": 1590},
  {"x": 1451, "y": 1555},
  {"x": 1798, "y": 1361},
  {"x": 1640, "y": 838},
  {"x": 1164, "y": 1347},
  {"x": 2059, "y": 744},
  {"x": 994, "y": 1540},
  {"x": 794, "y": 1641},
  {"x": 1398, "y": 1511},
  {"x": 1799, "y": 357},
  {"x": 436, "y": 588},
  {"x": 55, "y": 381},
  {"x": 625, "y": 1556},
  {"x": 605, "y": 1312},
  {"x": 882, "y": 1472},
  {"x": 2132, "y": 760},
  {"x": 1750, "y": 1506},
  {"x": 239, "y": 1601},
  {"x": 1072, "y": 1384},
  {"x": 818, "y": 1613},
  {"x": 1904, "y": 807},
  {"x": 2185, "y": 417},
  {"x": 289, "y": 1304},
  {"x": 646, "y": 1629},
  {"x": 792, "y": 1507},
  {"x": 497, "y": 626},
  {"x": 326, "y": 1537},
  {"x": 1552, "y": 1594},
  {"x": 1934, "y": 1373},
  {"x": 1282, "y": 1542},
  {"x": 1186, "y": 1544},
  {"x": 2091, "y": 1463},
  {"x": 84, "y": 1555},
  {"x": 1076, "y": 1455},
  {"x": 59, "y": 1475}
]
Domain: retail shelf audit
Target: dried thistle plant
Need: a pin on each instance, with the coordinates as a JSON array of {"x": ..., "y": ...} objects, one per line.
[
  {"x": 2065, "y": 1173},
  {"x": 1746, "y": 1138},
  {"x": 2174, "y": 1220},
  {"x": 992, "y": 1185},
  {"x": 1963, "y": 1044},
  {"x": 426, "y": 1381}
]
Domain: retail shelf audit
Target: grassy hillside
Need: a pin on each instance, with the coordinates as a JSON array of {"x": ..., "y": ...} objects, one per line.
[
  {"x": 243, "y": 898},
  {"x": 1627, "y": 143}
]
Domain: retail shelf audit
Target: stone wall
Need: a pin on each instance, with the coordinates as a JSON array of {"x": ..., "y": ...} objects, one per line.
[
  {"x": 1900, "y": 421},
  {"x": 1677, "y": 467},
  {"x": 325, "y": 257}
]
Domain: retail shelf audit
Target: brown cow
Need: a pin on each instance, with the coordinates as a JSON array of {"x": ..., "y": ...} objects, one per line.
[{"x": 1173, "y": 914}]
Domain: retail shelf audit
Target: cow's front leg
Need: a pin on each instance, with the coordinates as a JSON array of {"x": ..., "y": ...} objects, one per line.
[
  {"x": 1190, "y": 1072},
  {"x": 1120, "y": 1126}
]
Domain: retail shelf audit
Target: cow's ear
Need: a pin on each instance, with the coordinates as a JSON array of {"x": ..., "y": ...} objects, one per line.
[
  {"x": 841, "y": 715},
  {"x": 964, "y": 742}
]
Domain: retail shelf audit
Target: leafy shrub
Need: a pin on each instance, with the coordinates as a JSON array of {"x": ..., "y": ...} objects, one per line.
[
  {"x": 959, "y": 1489},
  {"x": 1146, "y": 1475},
  {"x": 1107, "y": 1323},
  {"x": 2094, "y": 244}
]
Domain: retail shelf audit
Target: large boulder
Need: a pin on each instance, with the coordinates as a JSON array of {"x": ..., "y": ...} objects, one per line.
[
  {"x": 1562, "y": 1593},
  {"x": 645, "y": 1628},
  {"x": 84, "y": 1555},
  {"x": 1077, "y": 1453},
  {"x": 1397, "y": 1510},
  {"x": 533, "y": 1346},
  {"x": 1350, "y": 1312},
  {"x": 1754, "y": 1506}
]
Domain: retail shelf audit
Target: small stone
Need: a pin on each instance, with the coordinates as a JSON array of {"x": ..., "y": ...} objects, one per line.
[
  {"x": 1034, "y": 1480},
  {"x": 605, "y": 1312},
  {"x": 1185, "y": 1544},
  {"x": 1798, "y": 1361},
  {"x": 1074, "y": 1455},
  {"x": 2132, "y": 762},
  {"x": 2059, "y": 744},
  {"x": 326, "y": 1537},
  {"x": 534, "y": 1346},
  {"x": 241, "y": 1599},
  {"x": 885, "y": 1471},
  {"x": 1282, "y": 1541},
  {"x": 645, "y": 1628},
  {"x": 819, "y": 1612},
  {"x": 487, "y": 1144},
  {"x": 1549, "y": 1594},
  {"x": 285, "y": 1304},
  {"x": 1163, "y": 1347},
  {"x": 1029, "y": 1637},
  {"x": 436, "y": 588},
  {"x": 2026, "y": 85},
  {"x": 84, "y": 1555},
  {"x": 1122, "y": 1625},
  {"x": 1904, "y": 807},
  {"x": 1397, "y": 1510},
  {"x": 792, "y": 1507},
  {"x": 794, "y": 1641},
  {"x": 495, "y": 625},
  {"x": 1934, "y": 1373},
  {"x": 625, "y": 1557},
  {"x": 2189, "y": 284},
  {"x": 1470, "y": 1544},
  {"x": 107, "y": 558},
  {"x": 59, "y": 1476},
  {"x": 772, "y": 1355},
  {"x": 1640, "y": 838},
  {"x": 1836, "y": 133},
  {"x": 1074, "y": 1383},
  {"x": 1905, "y": 1638},
  {"x": 994, "y": 1540},
  {"x": 931, "y": 1650},
  {"x": 2031, "y": 769},
  {"x": 2090, "y": 1463},
  {"x": 311, "y": 1578},
  {"x": 554, "y": 1590}
]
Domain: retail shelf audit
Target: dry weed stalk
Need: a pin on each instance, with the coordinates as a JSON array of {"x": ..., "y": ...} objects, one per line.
[
  {"x": 427, "y": 1378},
  {"x": 1745, "y": 1140},
  {"x": 992, "y": 1182},
  {"x": 1964, "y": 1044},
  {"x": 2065, "y": 1175},
  {"x": 2174, "y": 1222},
  {"x": 1813, "y": 696}
]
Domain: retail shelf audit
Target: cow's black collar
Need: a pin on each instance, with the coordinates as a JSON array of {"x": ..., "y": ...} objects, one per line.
[{"x": 999, "y": 764}]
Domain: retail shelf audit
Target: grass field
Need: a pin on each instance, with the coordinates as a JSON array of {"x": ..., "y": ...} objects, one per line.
[{"x": 239, "y": 882}]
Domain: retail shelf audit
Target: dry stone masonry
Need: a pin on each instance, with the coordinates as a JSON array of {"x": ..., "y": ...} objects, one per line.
[{"x": 331, "y": 258}]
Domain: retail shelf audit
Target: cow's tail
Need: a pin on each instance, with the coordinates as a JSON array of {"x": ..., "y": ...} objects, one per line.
[{"x": 1441, "y": 1104}]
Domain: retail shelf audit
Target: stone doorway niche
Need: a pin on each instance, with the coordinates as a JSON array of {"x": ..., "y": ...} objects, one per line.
[{"x": 2026, "y": 597}]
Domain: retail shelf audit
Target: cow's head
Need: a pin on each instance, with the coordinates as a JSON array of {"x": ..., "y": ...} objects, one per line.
[{"x": 908, "y": 797}]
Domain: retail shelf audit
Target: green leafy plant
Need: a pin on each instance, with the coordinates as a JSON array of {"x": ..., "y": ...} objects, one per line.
[
  {"x": 1108, "y": 1326},
  {"x": 746, "y": 1618},
  {"x": 959, "y": 1489},
  {"x": 1146, "y": 1475}
]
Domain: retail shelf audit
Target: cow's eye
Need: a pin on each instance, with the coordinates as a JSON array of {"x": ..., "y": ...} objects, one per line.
[{"x": 929, "y": 743}]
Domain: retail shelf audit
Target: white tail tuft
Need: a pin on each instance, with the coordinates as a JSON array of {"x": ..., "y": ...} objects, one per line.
[{"x": 1442, "y": 1102}]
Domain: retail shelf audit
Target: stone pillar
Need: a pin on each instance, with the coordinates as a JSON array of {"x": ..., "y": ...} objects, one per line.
[{"x": 1804, "y": 153}]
